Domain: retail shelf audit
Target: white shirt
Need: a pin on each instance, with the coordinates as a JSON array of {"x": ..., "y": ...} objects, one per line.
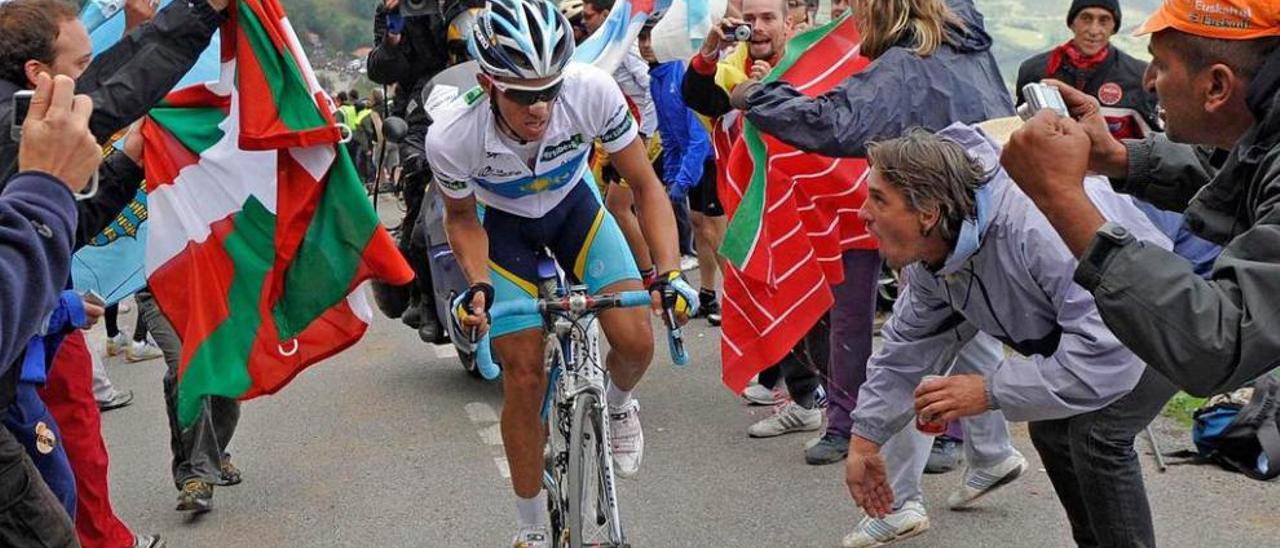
[{"x": 467, "y": 155}]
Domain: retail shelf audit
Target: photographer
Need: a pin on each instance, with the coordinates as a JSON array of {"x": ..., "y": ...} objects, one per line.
[
  {"x": 58, "y": 156},
  {"x": 1218, "y": 85},
  {"x": 125, "y": 81}
]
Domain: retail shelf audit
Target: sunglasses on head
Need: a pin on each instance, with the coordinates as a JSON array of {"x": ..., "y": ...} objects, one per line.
[{"x": 527, "y": 96}]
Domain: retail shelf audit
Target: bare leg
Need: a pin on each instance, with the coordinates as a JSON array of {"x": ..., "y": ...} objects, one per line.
[{"x": 524, "y": 384}]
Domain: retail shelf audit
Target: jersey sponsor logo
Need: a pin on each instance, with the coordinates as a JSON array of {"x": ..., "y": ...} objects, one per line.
[
  {"x": 490, "y": 171},
  {"x": 452, "y": 185},
  {"x": 1110, "y": 93},
  {"x": 616, "y": 132},
  {"x": 563, "y": 147}
]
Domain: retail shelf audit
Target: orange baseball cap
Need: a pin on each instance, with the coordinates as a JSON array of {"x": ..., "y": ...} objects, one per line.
[{"x": 1221, "y": 19}]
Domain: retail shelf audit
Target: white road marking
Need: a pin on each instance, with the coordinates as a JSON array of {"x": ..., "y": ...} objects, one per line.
[
  {"x": 444, "y": 351},
  {"x": 481, "y": 413},
  {"x": 492, "y": 435},
  {"x": 504, "y": 469}
]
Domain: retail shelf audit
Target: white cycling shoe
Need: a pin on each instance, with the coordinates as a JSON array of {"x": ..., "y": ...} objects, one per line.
[{"x": 626, "y": 438}]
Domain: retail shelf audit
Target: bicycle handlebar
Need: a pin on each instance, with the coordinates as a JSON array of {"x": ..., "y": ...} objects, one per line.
[{"x": 595, "y": 303}]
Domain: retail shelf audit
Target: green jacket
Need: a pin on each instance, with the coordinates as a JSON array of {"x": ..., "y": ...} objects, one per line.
[{"x": 1206, "y": 335}]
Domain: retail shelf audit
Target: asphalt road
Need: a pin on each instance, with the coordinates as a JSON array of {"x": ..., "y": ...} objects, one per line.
[{"x": 390, "y": 445}]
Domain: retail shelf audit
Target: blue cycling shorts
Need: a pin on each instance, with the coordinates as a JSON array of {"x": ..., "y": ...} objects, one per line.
[{"x": 582, "y": 236}]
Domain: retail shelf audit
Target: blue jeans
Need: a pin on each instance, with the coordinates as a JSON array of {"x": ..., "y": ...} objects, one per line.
[{"x": 1095, "y": 471}]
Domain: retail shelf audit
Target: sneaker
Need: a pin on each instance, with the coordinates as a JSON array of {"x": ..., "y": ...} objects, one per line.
[
  {"x": 230, "y": 474},
  {"x": 117, "y": 400},
  {"x": 117, "y": 344},
  {"x": 945, "y": 455},
  {"x": 757, "y": 394},
  {"x": 148, "y": 541},
  {"x": 536, "y": 536},
  {"x": 688, "y": 262},
  {"x": 786, "y": 419},
  {"x": 708, "y": 307},
  {"x": 830, "y": 449},
  {"x": 196, "y": 496},
  {"x": 141, "y": 351},
  {"x": 979, "y": 482},
  {"x": 627, "y": 438},
  {"x": 906, "y": 522}
]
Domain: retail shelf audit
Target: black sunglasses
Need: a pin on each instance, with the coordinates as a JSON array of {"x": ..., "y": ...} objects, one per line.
[{"x": 529, "y": 96}]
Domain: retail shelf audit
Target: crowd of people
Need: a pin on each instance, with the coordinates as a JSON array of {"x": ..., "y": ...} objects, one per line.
[{"x": 1072, "y": 271}]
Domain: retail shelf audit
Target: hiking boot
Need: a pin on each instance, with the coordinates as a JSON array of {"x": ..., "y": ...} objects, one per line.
[
  {"x": 627, "y": 438},
  {"x": 906, "y": 522},
  {"x": 786, "y": 419},
  {"x": 535, "y": 536},
  {"x": 196, "y": 496},
  {"x": 757, "y": 394},
  {"x": 979, "y": 482},
  {"x": 141, "y": 351},
  {"x": 230, "y": 474},
  {"x": 117, "y": 400},
  {"x": 945, "y": 455},
  {"x": 830, "y": 449},
  {"x": 117, "y": 344},
  {"x": 148, "y": 541}
]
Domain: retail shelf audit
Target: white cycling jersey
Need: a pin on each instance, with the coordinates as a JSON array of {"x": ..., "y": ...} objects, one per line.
[{"x": 468, "y": 156}]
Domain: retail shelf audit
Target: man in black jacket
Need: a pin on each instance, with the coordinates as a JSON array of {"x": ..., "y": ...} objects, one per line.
[
  {"x": 45, "y": 37},
  {"x": 1088, "y": 62},
  {"x": 1218, "y": 77}
]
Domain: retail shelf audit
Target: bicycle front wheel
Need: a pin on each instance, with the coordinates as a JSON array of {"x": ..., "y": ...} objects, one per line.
[{"x": 593, "y": 510}]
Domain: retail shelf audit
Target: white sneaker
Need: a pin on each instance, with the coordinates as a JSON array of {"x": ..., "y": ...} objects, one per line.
[
  {"x": 535, "y": 536},
  {"x": 757, "y": 394},
  {"x": 979, "y": 482},
  {"x": 626, "y": 438},
  {"x": 142, "y": 351},
  {"x": 786, "y": 419},
  {"x": 688, "y": 262},
  {"x": 906, "y": 522},
  {"x": 117, "y": 344}
]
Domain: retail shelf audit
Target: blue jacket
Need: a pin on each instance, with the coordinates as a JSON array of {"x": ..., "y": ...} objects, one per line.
[
  {"x": 37, "y": 224},
  {"x": 900, "y": 90},
  {"x": 685, "y": 144}
]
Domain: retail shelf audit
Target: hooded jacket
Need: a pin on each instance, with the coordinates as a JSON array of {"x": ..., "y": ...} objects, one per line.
[
  {"x": 960, "y": 82},
  {"x": 1213, "y": 335},
  {"x": 685, "y": 144},
  {"x": 1008, "y": 275}
]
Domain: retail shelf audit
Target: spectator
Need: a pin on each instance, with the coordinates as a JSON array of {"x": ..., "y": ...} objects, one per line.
[
  {"x": 944, "y": 44},
  {"x": 1218, "y": 80},
  {"x": 688, "y": 170},
  {"x": 1091, "y": 64},
  {"x": 124, "y": 82},
  {"x": 37, "y": 229},
  {"x": 979, "y": 257}
]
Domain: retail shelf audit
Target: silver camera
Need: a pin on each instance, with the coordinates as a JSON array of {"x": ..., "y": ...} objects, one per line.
[
  {"x": 741, "y": 33},
  {"x": 1039, "y": 97}
]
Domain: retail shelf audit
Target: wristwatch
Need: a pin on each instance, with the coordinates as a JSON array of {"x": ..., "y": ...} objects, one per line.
[{"x": 1110, "y": 237}]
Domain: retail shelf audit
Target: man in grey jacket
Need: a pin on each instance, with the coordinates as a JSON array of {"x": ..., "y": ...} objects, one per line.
[
  {"x": 1218, "y": 84},
  {"x": 978, "y": 257}
]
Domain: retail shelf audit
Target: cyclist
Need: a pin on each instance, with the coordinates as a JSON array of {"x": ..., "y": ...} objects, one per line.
[{"x": 518, "y": 146}]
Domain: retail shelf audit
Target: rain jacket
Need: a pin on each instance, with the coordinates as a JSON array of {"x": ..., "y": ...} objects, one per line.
[
  {"x": 960, "y": 82},
  {"x": 1008, "y": 275},
  {"x": 1207, "y": 336},
  {"x": 685, "y": 143}
]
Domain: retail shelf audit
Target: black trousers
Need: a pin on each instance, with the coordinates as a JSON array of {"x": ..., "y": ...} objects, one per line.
[{"x": 1095, "y": 470}]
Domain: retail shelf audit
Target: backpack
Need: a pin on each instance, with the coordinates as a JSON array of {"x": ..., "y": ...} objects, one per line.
[{"x": 1240, "y": 431}]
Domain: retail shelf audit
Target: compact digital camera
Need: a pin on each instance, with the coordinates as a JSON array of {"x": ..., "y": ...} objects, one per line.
[{"x": 1039, "y": 97}]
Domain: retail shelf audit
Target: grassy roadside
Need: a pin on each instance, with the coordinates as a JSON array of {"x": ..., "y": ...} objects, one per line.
[{"x": 1181, "y": 407}]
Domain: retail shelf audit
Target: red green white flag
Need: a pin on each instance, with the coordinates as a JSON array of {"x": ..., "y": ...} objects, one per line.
[
  {"x": 262, "y": 234},
  {"x": 792, "y": 214}
]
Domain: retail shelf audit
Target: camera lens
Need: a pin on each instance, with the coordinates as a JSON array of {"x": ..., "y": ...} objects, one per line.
[{"x": 742, "y": 33}]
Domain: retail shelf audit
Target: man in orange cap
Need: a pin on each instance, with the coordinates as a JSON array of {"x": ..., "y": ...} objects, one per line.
[{"x": 1216, "y": 69}]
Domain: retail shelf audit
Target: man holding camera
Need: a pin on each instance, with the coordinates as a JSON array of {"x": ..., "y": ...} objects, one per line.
[
  {"x": 46, "y": 37},
  {"x": 1217, "y": 72}
]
